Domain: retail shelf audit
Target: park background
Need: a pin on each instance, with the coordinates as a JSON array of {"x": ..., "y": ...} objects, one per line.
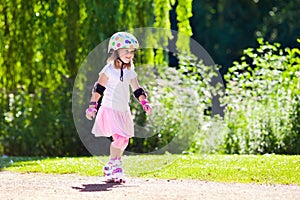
[{"x": 255, "y": 45}]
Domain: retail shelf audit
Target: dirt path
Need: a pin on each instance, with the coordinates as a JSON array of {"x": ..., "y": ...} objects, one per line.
[{"x": 70, "y": 186}]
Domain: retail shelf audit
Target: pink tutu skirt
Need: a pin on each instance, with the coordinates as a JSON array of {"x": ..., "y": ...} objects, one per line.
[{"x": 109, "y": 122}]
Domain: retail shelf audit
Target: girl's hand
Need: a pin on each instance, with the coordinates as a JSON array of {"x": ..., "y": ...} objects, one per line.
[
  {"x": 146, "y": 106},
  {"x": 90, "y": 113}
]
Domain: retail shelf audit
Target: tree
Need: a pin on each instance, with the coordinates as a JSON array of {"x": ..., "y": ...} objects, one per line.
[
  {"x": 225, "y": 28},
  {"x": 42, "y": 46}
]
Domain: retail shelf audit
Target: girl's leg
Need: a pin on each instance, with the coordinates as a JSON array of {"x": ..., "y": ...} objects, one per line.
[
  {"x": 115, "y": 152},
  {"x": 118, "y": 146}
]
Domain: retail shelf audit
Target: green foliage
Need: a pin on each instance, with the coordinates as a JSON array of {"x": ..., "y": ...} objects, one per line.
[
  {"x": 179, "y": 99},
  {"x": 38, "y": 66},
  {"x": 225, "y": 28},
  {"x": 42, "y": 44},
  {"x": 175, "y": 115},
  {"x": 262, "y": 98},
  {"x": 184, "y": 13}
]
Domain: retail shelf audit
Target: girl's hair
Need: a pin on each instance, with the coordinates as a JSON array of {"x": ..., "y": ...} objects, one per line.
[{"x": 113, "y": 58}]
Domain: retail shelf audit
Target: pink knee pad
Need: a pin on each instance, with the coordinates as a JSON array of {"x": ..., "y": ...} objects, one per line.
[{"x": 120, "y": 142}]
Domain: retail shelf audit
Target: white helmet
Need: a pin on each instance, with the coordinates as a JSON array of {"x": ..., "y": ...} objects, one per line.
[{"x": 122, "y": 40}]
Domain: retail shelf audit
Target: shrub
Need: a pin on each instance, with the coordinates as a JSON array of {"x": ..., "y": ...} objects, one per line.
[{"x": 262, "y": 97}]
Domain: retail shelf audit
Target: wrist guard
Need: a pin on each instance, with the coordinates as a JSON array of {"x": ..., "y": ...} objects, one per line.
[{"x": 95, "y": 104}]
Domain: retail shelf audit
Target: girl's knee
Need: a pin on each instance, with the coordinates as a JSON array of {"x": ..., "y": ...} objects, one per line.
[{"x": 120, "y": 142}]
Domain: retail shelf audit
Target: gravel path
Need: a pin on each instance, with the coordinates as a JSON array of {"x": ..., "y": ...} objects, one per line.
[{"x": 71, "y": 186}]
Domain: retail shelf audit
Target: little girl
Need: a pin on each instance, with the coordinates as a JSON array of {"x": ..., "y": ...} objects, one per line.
[{"x": 114, "y": 117}]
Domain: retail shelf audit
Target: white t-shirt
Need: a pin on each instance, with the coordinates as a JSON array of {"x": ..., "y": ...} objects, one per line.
[{"x": 117, "y": 94}]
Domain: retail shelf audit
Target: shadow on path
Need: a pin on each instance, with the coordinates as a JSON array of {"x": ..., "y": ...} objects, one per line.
[{"x": 100, "y": 187}]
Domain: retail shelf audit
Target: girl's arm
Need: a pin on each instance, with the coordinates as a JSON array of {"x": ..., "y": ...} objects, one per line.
[
  {"x": 134, "y": 86},
  {"x": 141, "y": 95},
  {"x": 102, "y": 81},
  {"x": 98, "y": 90}
]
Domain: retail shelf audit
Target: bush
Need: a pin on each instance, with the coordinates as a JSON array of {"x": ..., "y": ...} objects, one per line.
[
  {"x": 175, "y": 117},
  {"x": 262, "y": 97},
  {"x": 180, "y": 98},
  {"x": 39, "y": 124}
]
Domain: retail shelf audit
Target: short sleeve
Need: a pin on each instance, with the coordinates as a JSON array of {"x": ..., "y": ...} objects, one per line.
[
  {"x": 133, "y": 74},
  {"x": 105, "y": 70}
]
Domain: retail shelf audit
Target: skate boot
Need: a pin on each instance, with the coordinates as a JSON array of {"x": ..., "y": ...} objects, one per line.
[
  {"x": 108, "y": 169},
  {"x": 117, "y": 172}
]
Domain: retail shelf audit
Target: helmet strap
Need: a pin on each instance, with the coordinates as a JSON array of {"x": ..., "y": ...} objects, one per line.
[{"x": 122, "y": 65}]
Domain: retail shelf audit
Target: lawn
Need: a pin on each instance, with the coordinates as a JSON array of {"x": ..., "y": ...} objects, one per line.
[{"x": 269, "y": 169}]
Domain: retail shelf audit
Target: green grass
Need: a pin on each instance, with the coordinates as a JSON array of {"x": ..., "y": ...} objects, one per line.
[{"x": 270, "y": 169}]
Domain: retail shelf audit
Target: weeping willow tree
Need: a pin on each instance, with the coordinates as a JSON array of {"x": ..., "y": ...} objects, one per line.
[{"x": 42, "y": 44}]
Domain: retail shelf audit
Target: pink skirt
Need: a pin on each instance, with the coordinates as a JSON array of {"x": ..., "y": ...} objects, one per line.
[{"x": 109, "y": 122}]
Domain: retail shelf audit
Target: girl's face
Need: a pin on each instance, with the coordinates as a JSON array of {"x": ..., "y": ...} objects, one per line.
[{"x": 126, "y": 55}]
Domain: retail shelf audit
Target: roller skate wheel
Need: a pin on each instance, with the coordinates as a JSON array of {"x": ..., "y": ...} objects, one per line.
[
  {"x": 117, "y": 180},
  {"x": 109, "y": 181},
  {"x": 122, "y": 181}
]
